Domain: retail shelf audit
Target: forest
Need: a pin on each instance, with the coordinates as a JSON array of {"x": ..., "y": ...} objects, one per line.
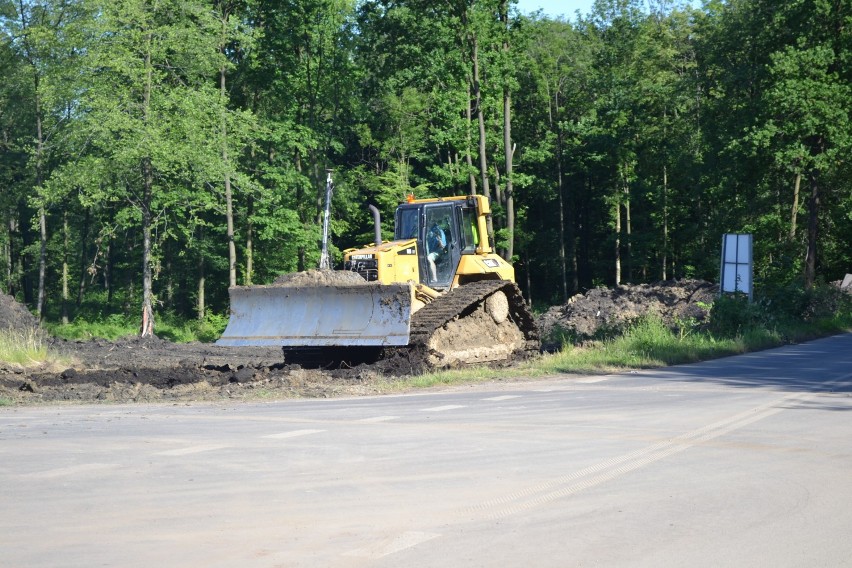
[{"x": 155, "y": 152}]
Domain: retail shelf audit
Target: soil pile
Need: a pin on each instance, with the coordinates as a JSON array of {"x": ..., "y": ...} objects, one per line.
[
  {"x": 319, "y": 278},
  {"x": 586, "y": 316},
  {"x": 15, "y": 317}
]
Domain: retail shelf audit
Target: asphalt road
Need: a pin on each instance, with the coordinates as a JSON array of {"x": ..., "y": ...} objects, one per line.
[{"x": 745, "y": 461}]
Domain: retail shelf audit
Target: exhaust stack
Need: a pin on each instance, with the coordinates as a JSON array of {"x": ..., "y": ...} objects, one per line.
[{"x": 377, "y": 224}]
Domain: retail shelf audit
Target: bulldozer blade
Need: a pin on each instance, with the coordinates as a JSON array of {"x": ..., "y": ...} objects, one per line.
[{"x": 319, "y": 316}]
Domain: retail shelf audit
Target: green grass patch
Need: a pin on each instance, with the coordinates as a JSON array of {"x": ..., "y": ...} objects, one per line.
[
  {"x": 646, "y": 344},
  {"x": 112, "y": 327},
  {"x": 28, "y": 350},
  {"x": 183, "y": 331},
  {"x": 166, "y": 326},
  {"x": 22, "y": 348}
]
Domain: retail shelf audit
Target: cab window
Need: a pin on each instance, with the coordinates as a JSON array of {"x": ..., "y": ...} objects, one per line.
[
  {"x": 406, "y": 224},
  {"x": 469, "y": 232}
]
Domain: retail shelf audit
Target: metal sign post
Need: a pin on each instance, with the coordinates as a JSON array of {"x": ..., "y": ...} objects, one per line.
[{"x": 737, "y": 265}]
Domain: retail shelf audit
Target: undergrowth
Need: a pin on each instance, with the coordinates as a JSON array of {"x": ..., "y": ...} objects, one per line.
[
  {"x": 22, "y": 348},
  {"x": 167, "y": 326},
  {"x": 27, "y": 350}
]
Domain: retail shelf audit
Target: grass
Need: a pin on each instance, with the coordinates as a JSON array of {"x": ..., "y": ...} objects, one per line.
[
  {"x": 651, "y": 344},
  {"x": 647, "y": 344},
  {"x": 27, "y": 350},
  {"x": 117, "y": 326},
  {"x": 23, "y": 349}
]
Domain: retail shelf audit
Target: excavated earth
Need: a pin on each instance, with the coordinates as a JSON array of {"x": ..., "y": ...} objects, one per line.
[
  {"x": 154, "y": 370},
  {"x": 603, "y": 311}
]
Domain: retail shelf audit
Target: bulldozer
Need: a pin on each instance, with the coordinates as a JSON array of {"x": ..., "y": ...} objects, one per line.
[{"x": 437, "y": 293}]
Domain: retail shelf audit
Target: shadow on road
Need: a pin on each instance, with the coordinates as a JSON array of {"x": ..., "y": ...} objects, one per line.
[{"x": 823, "y": 366}]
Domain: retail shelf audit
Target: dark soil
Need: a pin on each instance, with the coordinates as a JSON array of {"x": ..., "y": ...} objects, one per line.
[
  {"x": 15, "y": 317},
  {"x": 151, "y": 369},
  {"x": 155, "y": 370}
]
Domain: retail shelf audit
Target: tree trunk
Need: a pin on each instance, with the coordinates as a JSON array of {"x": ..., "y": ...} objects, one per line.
[
  {"x": 65, "y": 242},
  {"x": 301, "y": 255},
  {"x": 508, "y": 147},
  {"x": 510, "y": 195},
  {"x": 42, "y": 262},
  {"x": 11, "y": 289},
  {"x": 249, "y": 242},
  {"x": 169, "y": 301},
  {"x": 628, "y": 231},
  {"x": 84, "y": 236},
  {"x": 108, "y": 270},
  {"x": 468, "y": 154},
  {"x": 42, "y": 215},
  {"x": 560, "y": 192},
  {"x": 200, "y": 306},
  {"x": 617, "y": 242},
  {"x": 7, "y": 258},
  {"x": 795, "y": 209},
  {"x": 665, "y": 259},
  {"x": 229, "y": 203},
  {"x": 147, "y": 327},
  {"x": 813, "y": 219},
  {"x": 572, "y": 247},
  {"x": 480, "y": 116}
]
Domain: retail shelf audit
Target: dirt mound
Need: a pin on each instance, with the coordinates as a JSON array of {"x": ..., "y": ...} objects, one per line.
[
  {"x": 151, "y": 369},
  {"x": 587, "y": 315},
  {"x": 319, "y": 278},
  {"x": 15, "y": 317}
]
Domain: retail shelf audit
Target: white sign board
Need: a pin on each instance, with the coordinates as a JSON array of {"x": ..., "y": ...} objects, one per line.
[{"x": 737, "y": 267}]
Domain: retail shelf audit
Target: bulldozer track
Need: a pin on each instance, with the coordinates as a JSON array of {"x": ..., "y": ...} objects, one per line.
[{"x": 463, "y": 300}]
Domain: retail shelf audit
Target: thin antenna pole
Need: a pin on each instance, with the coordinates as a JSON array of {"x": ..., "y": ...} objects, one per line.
[{"x": 329, "y": 188}]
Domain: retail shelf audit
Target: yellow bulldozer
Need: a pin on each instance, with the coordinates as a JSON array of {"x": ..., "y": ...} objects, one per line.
[{"x": 436, "y": 291}]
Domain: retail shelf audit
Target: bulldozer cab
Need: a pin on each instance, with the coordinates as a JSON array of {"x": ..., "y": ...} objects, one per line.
[{"x": 444, "y": 230}]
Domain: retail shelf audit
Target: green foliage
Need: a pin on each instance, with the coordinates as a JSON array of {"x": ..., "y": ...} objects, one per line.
[
  {"x": 169, "y": 326},
  {"x": 113, "y": 326},
  {"x": 183, "y": 331},
  {"x": 792, "y": 310},
  {"x": 695, "y": 121},
  {"x": 732, "y": 315}
]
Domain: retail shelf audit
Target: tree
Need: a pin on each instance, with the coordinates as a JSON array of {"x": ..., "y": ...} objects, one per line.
[
  {"x": 145, "y": 118},
  {"x": 809, "y": 126},
  {"x": 44, "y": 36}
]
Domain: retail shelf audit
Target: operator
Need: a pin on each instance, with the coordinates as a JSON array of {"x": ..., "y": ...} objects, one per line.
[{"x": 436, "y": 244}]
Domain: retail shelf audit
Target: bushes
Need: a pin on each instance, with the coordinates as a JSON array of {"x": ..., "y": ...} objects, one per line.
[
  {"x": 730, "y": 316},
  {"x": 791, "y": 310}
]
